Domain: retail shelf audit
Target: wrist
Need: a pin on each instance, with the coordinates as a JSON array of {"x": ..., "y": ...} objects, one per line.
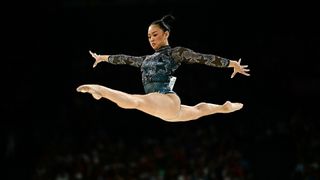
[
  {"x": 231, "y": 63},
  {"x": 104, "y": 58}
]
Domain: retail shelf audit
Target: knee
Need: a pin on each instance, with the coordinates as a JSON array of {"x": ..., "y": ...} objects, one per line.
[{"x": 201, "y": 106}]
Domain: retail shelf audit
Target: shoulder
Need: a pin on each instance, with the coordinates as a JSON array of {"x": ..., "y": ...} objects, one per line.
[
  {"x": 181, "y": 51},
  {"x": 177, "y": 49},
  {"x": 181, "y": 48}
]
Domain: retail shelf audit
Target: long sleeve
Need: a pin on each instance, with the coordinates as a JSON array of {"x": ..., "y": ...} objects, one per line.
[
  {"x": 185, "y": 55},
  {"x": 135, "y": 61}
]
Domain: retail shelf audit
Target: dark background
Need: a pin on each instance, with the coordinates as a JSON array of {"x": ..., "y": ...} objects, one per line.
[{"x": 46, "y": 57}]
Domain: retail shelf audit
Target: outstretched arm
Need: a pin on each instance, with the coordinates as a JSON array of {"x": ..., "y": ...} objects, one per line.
[
  {"x": 118, "y": 59},
  {"x": 238, "y": 68},
  {"x": 186, "y": 55}
]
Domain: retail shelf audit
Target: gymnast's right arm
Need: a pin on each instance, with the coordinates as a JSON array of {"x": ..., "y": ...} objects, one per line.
[
  {"x": 135, "y": 61},
  {"x": 98, "y": 58}
]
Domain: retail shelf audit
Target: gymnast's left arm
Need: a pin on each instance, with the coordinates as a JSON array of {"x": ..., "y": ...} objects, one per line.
[{"x": 189, "y": 56}]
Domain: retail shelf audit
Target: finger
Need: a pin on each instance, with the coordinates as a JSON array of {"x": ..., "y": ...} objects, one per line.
[
  {"x": 95, "y": 64},
  {"x": 246, "y": 74},
  {"x": 93, "y": 55},
  {"x": 239, "y": 61},
  {"x": 246, "y": 70},
  {"x": 244, "y": 66},
  {"x": 233, "y": 74}
]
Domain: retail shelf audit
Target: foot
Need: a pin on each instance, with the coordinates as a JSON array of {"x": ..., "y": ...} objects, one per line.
[
  {"x": 229, "y": 107},
  {"x": 90, "y": 89}
]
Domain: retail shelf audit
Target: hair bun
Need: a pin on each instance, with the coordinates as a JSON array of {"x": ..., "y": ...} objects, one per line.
[{"x": 168, "y": 19}]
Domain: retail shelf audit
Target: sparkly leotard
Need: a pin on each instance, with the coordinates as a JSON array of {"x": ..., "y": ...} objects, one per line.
[{"x": 158, "y": 68}]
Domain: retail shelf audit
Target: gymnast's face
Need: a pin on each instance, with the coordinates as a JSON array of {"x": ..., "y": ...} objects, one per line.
[{"x": 157, "y": 37}]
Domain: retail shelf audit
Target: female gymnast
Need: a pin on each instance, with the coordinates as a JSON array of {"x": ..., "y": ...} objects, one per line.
[{"x": 157, "y": 71}]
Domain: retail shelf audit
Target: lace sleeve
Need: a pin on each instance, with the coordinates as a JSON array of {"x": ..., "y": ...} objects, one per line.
[
  {"x": 185, "y": 55},
  {"x": 135, "y": 61}
]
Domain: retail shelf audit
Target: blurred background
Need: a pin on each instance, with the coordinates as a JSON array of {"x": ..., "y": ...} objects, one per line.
[{"x": 51, "y": 132}]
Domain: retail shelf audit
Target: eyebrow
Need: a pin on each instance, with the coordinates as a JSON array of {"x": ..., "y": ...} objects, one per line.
[{"x": 155, "y": 31}]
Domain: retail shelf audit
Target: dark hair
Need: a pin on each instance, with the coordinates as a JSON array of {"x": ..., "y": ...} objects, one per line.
[{"x": 165, "y": 22}]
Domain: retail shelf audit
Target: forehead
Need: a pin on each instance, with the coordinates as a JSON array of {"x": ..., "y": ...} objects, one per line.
[{"x": 153, "y": 28}]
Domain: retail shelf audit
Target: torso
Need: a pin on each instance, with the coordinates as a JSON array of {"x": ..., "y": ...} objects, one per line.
[{"x": 157, "y": 69}]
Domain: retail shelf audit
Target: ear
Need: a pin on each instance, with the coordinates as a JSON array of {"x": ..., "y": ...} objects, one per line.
[{"x": 166, "y": 34}]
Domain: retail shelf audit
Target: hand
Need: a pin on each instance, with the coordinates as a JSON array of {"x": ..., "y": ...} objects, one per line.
[
  {"x": 238, "y": 68},
  {"x": 98, "y": 58}
]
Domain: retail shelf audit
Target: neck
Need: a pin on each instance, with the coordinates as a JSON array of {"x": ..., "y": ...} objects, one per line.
[{"x": 162, "y": 47}]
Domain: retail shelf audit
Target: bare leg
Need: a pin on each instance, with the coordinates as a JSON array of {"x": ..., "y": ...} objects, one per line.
[
  {"x": 188, "y": 113},
  {"x": 164, "y": 106}
]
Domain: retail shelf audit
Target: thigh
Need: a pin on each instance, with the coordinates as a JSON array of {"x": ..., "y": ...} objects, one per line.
[{"x": 160, "y": 105}]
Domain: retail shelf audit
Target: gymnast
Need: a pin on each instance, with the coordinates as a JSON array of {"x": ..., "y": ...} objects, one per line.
[{"x": 158, "y": 78}]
